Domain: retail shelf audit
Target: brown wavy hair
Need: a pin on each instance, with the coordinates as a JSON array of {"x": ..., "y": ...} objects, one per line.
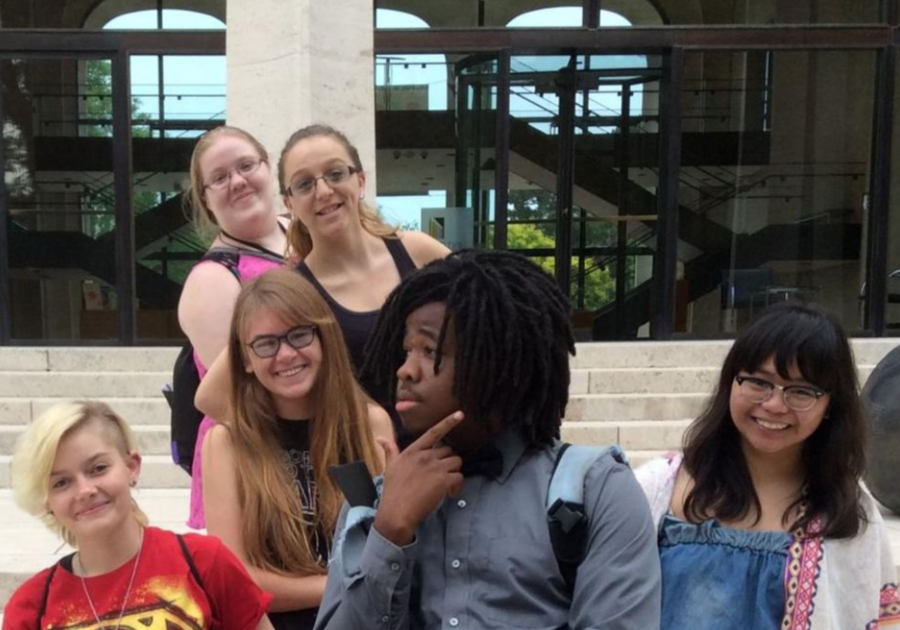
[
  {"x": 276, "y": 537},
  {"x": 198, "y": 210},
  {"x": 298, "y": 235},
  {"x": 833, "y": 456}
]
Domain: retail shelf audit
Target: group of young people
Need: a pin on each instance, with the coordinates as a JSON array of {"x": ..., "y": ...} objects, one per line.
[{"x": 385, "y": 338}]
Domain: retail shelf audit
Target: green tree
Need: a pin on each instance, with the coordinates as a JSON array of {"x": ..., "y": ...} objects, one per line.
[{"x": 599, "y": 286}]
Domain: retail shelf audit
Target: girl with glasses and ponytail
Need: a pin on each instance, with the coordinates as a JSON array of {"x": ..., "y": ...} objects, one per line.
[
  {"x": 762, "y": 522},
  {"x": 291, "y": 409},
  {"x": 348, "y": 253}
]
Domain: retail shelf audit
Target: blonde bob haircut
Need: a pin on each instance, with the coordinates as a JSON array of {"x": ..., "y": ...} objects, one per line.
[
  {"x": 276, "y": 536},
  {"x": 36, "y": 450},
  {"x": 298, "y": 234}
]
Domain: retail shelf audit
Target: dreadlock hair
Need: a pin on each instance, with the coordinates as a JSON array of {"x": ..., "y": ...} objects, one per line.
[
  {"x": 833, "y": 457},
  {"x": 513, "y": 339}
]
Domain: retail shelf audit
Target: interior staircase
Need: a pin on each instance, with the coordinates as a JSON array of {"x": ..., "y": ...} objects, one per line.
[{"x": 640, "y": 395}]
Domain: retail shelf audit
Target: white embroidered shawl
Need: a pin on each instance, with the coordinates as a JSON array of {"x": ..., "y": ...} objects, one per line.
[{"x": 830, "y": 584}]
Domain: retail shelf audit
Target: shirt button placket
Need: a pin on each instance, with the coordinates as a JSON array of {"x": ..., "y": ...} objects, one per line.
[{"x": 453, "y": 622}]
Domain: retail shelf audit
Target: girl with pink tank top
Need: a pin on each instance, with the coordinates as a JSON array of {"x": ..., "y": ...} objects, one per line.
[{"x": 232, "y": 196}]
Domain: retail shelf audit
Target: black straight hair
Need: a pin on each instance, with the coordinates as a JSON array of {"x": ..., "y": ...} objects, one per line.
[
  {"x": 513, "y": 339},
  {"x": 833, "y": 457}
]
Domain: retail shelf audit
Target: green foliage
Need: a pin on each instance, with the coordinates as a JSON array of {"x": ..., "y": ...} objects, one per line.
[
  {"x": 540, "y": 205},
  {"x": 599, "y": 286}
]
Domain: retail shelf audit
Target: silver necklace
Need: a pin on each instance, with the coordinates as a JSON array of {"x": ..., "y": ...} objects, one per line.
[{"x": 100, "y": 624}]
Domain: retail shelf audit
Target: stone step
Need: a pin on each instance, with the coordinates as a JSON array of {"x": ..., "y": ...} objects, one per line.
[
  {"x": 692, "y": 353},
  {"x": 75, "y": 359},
  {"x": 82, "y": 384},
  {"x": 18, "y": 387},
  {"x": 634, "y": 407},
  {"x": 634, "y": 436},
  {"x": 152, "y": 439},
  {"x": 588, "y": 355},
  {"x": 137, "y": 410},
  {"x": 157, "y": 472}
]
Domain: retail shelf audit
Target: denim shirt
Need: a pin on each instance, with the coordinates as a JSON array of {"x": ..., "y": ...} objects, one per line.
[{"x": 484, "y": 559}]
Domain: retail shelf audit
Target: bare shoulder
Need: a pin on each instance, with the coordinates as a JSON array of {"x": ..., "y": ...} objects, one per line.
[
  {"x": 422, "y": 248},
  {"x": 218, "y": 441},
  {"x": 380, "y": 421},
  {"x": 208, "y": 288}
]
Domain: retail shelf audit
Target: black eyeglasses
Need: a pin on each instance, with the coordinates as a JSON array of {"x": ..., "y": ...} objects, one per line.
[
  {"x": 333, "y": 177},
  {"x": 797, "y": 397},
  {"x": 267, "y": 346}
]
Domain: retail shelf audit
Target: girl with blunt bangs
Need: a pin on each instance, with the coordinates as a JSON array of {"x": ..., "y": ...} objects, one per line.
[
  {"x": 764, "y": 508},
  {"x": 294, "y": 409},
  {"x": 74, "y": 468}
]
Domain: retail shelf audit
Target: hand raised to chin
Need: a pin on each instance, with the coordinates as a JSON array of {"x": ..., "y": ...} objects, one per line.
[{"x": 416, "y": 481}]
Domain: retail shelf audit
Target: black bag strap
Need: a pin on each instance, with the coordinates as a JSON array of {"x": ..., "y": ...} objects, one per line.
[
  {"x": 228, "y": 258},
  {"x": 190, "y": 560},
  {"x": 46, "y": 594}
]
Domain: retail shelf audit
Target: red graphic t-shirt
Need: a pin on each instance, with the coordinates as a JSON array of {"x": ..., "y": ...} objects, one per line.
[{"x": 164, "y": 596}]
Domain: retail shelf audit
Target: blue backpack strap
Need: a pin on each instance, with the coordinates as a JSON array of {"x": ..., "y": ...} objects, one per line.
[{"x": 566, "y": 518}]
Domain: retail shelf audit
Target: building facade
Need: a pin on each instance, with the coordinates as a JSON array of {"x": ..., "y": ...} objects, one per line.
[{"x": 677, "y": 164}]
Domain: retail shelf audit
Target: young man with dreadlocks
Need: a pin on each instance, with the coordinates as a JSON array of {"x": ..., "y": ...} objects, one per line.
[{"x": 473, "y": 352}]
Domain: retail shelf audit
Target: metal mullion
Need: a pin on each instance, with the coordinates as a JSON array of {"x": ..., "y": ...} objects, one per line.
[
  {"x": 648, "y": 40},
  {"x": 5, "y": 292},
  {"x": 662, "y": 320},
  {"x": 122, "y": 172},
  {"x": 71, "y": 42},
  {"x": 880, "y": 186},
  {"x": 501, "y": 152}
]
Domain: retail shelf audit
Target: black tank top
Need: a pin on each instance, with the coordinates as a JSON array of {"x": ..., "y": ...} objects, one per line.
[{"x": 357, "y": 326}]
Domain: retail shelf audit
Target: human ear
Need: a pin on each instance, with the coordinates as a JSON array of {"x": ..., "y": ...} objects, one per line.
[{"x": 133, "y": 463}]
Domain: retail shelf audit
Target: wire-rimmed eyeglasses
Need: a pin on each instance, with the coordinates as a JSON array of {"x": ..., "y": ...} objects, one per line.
[
  {"x": 796, "y": 397},
  {"x": 332, "y": 177}
]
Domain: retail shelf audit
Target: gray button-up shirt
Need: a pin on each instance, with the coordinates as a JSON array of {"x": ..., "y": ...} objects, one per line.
[{"x": 484, "y": 559}]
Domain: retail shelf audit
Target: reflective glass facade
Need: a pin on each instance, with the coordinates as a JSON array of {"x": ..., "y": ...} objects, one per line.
[{"x": 675, "y": 176}]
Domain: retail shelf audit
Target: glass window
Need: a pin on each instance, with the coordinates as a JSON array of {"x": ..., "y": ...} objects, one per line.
[
  {"x": 892, "y": 312},
  {"x": 774, "y": 174},
  {"x": 58, "y": 170}
]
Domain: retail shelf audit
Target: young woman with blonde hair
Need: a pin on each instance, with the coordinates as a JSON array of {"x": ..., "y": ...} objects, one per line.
[
  {"x": 293, "y": 409},
  {"x": 74, "y": 468}
]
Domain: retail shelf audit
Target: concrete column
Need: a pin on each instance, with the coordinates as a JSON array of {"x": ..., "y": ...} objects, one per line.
[{"x": 296, "y": 62}]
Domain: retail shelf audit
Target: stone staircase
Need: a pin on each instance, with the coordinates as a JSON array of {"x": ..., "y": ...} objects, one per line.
[{"x": 639, "y": 395}]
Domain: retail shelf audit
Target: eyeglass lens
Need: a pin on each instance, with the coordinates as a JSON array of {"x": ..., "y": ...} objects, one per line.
[
  {"x": 796, "y": 397},
  {"x": 334, "y": 176},
  {"x": 297, "y": 338}
]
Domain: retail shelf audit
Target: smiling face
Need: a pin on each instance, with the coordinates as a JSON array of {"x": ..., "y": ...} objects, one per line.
[
  {"x": 245, "y": 201},
  {"x": 90, "y": 481},
  {"x": 290, "y": 375},
  {"x": 329, "y": 208},
  {"x": 423, "y": 397},
  {"x": 771, "y": 427}
]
